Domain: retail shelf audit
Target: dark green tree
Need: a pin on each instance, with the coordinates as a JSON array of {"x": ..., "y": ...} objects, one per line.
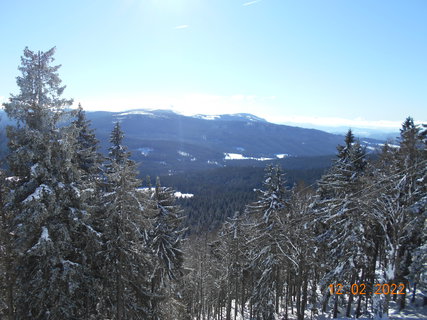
[
  {"x": 266, "y": 253},
  {"x": 165, "y": 241},
  {"x": 48, "y": 224},
  {"x": 126, "y": 262}
]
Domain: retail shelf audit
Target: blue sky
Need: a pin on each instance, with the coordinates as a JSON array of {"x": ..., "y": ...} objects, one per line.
[{"x": 332, "y": 62}]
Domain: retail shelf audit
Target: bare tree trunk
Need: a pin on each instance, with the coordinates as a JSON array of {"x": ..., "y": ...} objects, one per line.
[
  {"x": 350, "y": 298},
  {"x": 335, "y": 312},
  {"x": 119, "y": 293},
  {"x": 119, "y": 311},
  {"x": 277, "y": 290},
  {"x": 243, "y": 297},
  {"x": 359, "y": 306},
  {"x": 286, "y": 300},
  {"x": 325, "y": 302},
  {"x": 413, "y": 292},
  {"x": 298, "y": 298},
  {"x": 9, "y": 283},
  {"x": 228, "y": 309},
  {"x": 236, "y": 298},
  {"x": 304, "y": 298}
]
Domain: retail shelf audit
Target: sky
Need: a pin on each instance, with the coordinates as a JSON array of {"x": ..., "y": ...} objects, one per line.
[{"x": 331, "y": 62}]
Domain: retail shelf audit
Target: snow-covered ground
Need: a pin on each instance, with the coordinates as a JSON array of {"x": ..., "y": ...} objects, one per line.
[
  {"x": 282, "y": 155},
  {"x": 238, "y": 156},
  {"x": 183, "y": 195}
]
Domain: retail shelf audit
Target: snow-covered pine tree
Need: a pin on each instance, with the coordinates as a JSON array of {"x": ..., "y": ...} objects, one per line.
[
  {"x": 266, "y": 254},
  {"x": 47, "y": 197},
  {"x": 165, "y": 239},
  {"x": 89, "y": 161},
  {"x": 126, "y": 261},
  {"x": 418, "y": 268},
  {"x": 343, "y": 228},
  {"x": 398, "y": 206},
  {"x": 7, "y": 272}
]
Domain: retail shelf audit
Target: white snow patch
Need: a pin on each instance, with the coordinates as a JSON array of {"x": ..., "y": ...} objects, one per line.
[
  {"x": 389, "y": 144},
  {"x": 107, "y": 194},
  {"x": 13, "y": 179},
  {"x": 206, "y": 117},
  {"x": 67, "y": 264},
  {"x": 178, "y": 194},
  {"x": 282, "y": 155},
  {"x": 145, "y": 151},
  {"x": 136, "y": 112},
  {"x": 145, "y": 189},
  {"x": 76, "y": 191},
  {"x": 33, "y": 169},
  {"x": 234, "y": 156},
  {"x": 183, "y": 153},
  {"x": 98, "y": 234},
  {"x": 43, "y": 237},
  {"x": 238, "y": 156},
  {"x": 38, "y": 193},
  {"x": 45, "y": 234}
]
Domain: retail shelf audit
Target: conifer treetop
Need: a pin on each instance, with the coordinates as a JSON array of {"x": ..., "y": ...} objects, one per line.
[
  {"x": 39, "y": 101},
  {"x": 118, "y": 152}
]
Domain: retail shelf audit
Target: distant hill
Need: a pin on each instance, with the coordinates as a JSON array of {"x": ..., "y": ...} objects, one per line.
[
  {"x": 168, "y": 143},
  {"x": 165, "y": 142}
]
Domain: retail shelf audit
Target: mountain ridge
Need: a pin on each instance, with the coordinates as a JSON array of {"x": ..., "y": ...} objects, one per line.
[{"x": 167, "y": 142}]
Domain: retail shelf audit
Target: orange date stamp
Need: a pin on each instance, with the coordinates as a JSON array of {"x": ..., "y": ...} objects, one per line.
[{"x": 361, "y": 289}]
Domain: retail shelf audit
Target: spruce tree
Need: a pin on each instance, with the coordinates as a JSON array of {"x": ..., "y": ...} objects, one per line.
[
  {"x": 165, "y": 241},
  {"x": 125, "y": 256},
  {"x": 345, "y": 231},
  {"x": 89, "y": 162},
  {"x": 398, "y": 205},
  {"x": 47, "y": 197},
  {"x": 266, "y": 253},
  {"x": 7, "y": 255}
]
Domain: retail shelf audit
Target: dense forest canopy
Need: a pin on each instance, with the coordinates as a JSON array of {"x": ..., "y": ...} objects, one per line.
[{"x": 80, "y": 238}]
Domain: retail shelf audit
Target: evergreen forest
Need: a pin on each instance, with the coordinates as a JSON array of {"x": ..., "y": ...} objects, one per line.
[{"x": 80, "y": 238}]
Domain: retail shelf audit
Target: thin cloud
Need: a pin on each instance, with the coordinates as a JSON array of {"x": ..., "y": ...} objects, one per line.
[
  {"x": 336, "y": 122},
  {"x": 184, "y": 26},
  {"x": 251, "y": 3}
]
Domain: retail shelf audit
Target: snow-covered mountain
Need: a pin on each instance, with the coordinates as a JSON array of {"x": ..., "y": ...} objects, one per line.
[
  {"x": 230, "y": 117},
  {"x": 165, "y": 141}
]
